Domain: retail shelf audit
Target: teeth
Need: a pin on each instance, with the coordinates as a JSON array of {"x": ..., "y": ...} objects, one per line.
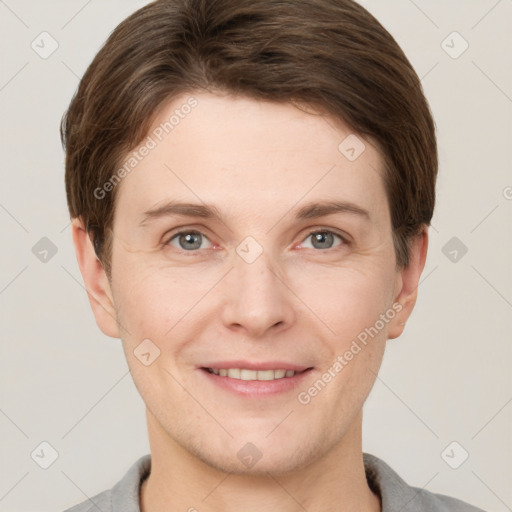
[
  {"x": 244, "y": 374},
  {"x": 248, "y": 375},
  {"x": 266, "y": 375},
  {"x": 234, "y": 373}
]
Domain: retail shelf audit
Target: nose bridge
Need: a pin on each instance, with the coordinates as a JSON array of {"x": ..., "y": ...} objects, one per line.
[{"x": 257, "y": 298}]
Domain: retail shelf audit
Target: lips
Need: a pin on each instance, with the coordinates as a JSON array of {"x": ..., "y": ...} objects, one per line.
[{"x": 255, "y": 380}]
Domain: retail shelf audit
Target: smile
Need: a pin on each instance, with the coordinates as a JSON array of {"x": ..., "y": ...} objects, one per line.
[
  {"x": 256, "y": 382},
  {"x": 245, "y": 374}
]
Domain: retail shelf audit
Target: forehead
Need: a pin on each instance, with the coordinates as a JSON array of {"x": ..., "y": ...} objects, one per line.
[{"x": 253, "y": 156}]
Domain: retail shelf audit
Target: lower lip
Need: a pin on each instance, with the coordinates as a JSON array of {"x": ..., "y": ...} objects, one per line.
[{"x": 257, "y": 388}]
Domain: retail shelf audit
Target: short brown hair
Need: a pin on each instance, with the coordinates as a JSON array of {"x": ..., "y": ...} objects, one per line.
[{"x": 331, "y": 54}]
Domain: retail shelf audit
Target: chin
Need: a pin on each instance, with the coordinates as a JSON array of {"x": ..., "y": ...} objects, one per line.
[
  {"x": 252, "y": 453},
  {"x": 275, "y": 464}
]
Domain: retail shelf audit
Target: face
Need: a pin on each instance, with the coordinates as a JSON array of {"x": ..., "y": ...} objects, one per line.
[{"x": 250, "y": 255}]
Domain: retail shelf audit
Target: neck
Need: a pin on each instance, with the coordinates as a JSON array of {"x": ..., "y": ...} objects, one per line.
[{"x": 180, "y": 481}]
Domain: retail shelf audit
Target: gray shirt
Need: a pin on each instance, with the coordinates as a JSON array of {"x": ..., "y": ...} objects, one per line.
[{"x": 395, "y": 494}]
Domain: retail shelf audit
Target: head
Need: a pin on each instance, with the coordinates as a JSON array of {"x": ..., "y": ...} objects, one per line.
[{"x": 251, "y": 113}]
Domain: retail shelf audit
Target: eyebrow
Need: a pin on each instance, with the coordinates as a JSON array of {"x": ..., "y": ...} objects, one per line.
[{"x": 309, "y": 211}]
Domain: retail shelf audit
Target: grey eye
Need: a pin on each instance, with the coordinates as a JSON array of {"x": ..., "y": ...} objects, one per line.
[
  {"x": 188, "y": 240},
  {"x": 322, "y": 239}
]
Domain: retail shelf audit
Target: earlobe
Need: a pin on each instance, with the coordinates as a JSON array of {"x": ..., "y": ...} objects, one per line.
[
  {"x": 95, "y": 280},
  {"x": 406, "y": 289}
]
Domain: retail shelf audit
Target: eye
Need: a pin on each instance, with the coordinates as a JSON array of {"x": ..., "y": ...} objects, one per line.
[
  {"x": 187, "y": 240},
  {"x": 191, "y": 241},
  {"x": 323, "y": 239}
]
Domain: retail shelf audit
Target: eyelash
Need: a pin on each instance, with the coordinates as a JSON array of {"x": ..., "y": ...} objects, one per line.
[{"x": 195, "y": 251}]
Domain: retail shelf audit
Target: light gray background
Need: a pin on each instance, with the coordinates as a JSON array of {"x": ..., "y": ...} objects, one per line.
[{"x": 447, "y": 378}]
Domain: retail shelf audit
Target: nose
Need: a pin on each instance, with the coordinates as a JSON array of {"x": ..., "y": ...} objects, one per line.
[{"x": 258, "y": 299}]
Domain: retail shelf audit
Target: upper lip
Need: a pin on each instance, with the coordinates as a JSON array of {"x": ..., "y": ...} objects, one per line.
[{"x": 248, "y": 365}]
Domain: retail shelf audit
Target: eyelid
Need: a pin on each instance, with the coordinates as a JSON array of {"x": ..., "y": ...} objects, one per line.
[{"x": 171, "y": 233}]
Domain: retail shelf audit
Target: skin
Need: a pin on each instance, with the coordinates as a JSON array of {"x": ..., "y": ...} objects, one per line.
[{"x": 301, "y": 302}]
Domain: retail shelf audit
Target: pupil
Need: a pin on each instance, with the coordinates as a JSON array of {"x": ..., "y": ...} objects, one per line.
[
  {"x": 190, "y": 242},
  {"x": 323, "y": 238}
]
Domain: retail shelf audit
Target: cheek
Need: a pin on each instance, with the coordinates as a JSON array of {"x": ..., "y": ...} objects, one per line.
[
  {"x": 150, "y": 300},
  {"x": 345, "y": 299},
  {"x": 351, "y": 304}
]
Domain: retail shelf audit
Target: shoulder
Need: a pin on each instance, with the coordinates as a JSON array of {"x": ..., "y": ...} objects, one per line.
[
  {"x": 124, "y": 496},
  {"x": 102, "y": 501},
  {"x": 396, "y": 494},
  {"x": 429, "y": 501}
]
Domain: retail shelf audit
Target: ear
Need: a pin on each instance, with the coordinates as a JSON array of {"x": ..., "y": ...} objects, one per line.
[
  {"x": 96, "y": 281},
  {"x": 406, "y": 287}
]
